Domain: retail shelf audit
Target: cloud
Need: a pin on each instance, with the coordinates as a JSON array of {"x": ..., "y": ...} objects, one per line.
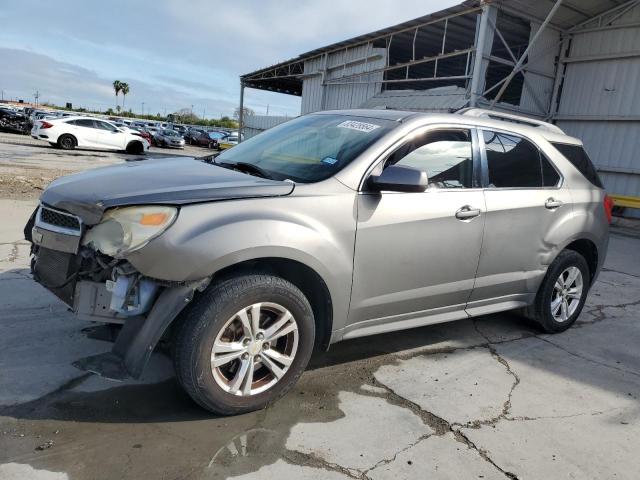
[
  {"x": 175, "y": 53},
  {"x": 60, "y": 82}
]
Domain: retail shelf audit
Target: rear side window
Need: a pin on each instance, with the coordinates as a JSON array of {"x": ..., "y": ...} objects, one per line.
[
  {"x": 512, "y": 161},
  {"x": 579, "y": 158},
  {"x": 88, "y": 123},
  {"x": 550, "y": 176}
]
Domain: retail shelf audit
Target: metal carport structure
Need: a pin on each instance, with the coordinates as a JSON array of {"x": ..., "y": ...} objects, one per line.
[{"x": 574, "y": 63}]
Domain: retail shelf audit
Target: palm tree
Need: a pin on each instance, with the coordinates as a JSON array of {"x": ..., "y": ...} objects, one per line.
[
  {"x": 117, "y": 86},
  {"x": 124, "y": 88}
]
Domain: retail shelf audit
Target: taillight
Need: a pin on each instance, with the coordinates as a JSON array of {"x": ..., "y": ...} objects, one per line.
[
  {"x": 44, "y": 124},
  {"x": 608, "y": 207}
]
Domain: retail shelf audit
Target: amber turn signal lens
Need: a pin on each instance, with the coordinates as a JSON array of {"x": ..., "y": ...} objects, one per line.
[{"x": 154, "y": 219}]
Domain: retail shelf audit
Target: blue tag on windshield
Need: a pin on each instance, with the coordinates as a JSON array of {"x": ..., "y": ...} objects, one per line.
[{"x": 329, "y": 160}]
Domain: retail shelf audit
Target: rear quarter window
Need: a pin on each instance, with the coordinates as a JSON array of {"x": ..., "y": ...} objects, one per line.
[{"x": 577, "y": 155}]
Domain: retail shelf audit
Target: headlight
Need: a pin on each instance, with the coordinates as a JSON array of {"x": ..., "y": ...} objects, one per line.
[{"x": 123, "y": 230}]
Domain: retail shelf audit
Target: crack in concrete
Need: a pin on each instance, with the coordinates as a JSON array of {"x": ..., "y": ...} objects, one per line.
[
  {"x": 302, "y": 459},
  {"x": 561, "y": 417},
  {"x": 13, "y": 254},
  {"x": 386, "y": 461},
  {"x": 506, "y": 406},
  {"x": 441, "y": 426},
  {"x": 620, "y": 272},
  {"x": 591, "y": 360}
]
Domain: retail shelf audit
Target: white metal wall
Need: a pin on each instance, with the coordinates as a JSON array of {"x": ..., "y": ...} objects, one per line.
[
  {"x": 538, "y": 87},
  {"x": 255, "y": 124},
  {"x": 600, "y": 102},
  {"x": 341, "y": 64}
]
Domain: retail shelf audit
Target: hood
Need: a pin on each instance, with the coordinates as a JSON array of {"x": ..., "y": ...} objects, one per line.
[{"x": 174, "y": 181}]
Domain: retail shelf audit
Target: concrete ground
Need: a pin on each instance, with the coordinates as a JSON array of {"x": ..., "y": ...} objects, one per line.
[{"x": 490, "y": 398}]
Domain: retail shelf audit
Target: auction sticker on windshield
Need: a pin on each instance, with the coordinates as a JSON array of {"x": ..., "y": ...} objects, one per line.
[{"x": 360, "y": 126}]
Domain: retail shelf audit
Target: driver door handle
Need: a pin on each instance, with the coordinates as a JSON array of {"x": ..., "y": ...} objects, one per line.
[
  {"x": 552, "y": 203},
  {"x": 466, "y": 212}
]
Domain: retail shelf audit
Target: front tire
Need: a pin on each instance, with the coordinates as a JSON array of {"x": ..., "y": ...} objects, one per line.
[
  {"x": 562, "y": 293},
  {"x": 244, "y": 343},
  {"x": 135, "y": 148},
  {"x": 67, "y": 142}
]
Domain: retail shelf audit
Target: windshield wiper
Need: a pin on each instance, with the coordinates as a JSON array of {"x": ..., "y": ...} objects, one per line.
[{"x": 245, "y": 167}]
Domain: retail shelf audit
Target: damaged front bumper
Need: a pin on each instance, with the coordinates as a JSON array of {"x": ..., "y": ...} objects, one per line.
[{"x": 102, "y": 289}]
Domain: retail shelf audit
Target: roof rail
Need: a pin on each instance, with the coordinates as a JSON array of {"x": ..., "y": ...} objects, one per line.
[{"x": 509, "y": 117}]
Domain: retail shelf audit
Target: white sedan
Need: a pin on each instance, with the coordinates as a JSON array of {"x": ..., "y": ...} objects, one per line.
[{"x": 83, "y": 132}]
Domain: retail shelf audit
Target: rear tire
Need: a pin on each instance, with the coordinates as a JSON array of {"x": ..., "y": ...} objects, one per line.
[
  {"x": 213, "y": 328},
  {"x": 67, "y": 142},
  {"x": 562, "y": 293}
]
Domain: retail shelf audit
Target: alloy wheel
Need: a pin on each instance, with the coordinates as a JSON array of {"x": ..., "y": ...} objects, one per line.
[
  {"x": 566, "y": 295},
  {"x": 254, "y": 349}
]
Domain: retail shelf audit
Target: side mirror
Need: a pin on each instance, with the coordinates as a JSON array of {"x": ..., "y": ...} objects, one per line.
[{"x": 398, "y": 178}]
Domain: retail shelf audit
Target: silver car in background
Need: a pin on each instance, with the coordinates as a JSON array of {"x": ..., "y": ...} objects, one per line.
[
  {"x": 331, "y": 226},
  {"x": 168, "y": 138}
]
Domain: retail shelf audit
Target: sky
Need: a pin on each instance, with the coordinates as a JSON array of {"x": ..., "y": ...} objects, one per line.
[{"x": 174, "y": 54}]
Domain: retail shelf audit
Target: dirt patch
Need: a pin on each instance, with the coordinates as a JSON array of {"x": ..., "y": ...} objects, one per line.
[{"x": 27, "y": 183}]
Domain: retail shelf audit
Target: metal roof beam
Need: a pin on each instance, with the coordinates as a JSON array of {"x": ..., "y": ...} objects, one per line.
[
  {"x": 523, "y": 57},
  {"x": 620, "y": 9}
]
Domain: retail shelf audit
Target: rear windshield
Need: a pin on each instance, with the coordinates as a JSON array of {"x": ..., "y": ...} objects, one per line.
[
  {"x": 577, "y": 155},
  {"x": 310, "y": 148}
]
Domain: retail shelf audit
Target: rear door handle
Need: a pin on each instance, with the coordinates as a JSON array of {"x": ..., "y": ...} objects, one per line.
[
  {"x": 552, "y": 203},
  {"x": 467, "y": 212}
]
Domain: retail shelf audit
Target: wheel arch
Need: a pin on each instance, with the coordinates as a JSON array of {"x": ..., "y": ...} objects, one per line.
[
  {"x": 62, "y": 135},
  {"x": 308, "y": 280},
  {"x": 589, "y": 251},
  {"x": 131, "y": 143}
]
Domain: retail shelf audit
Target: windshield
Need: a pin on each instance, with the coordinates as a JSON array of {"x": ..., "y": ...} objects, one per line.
[
  {"x": 310, "y": 148},
  {"x": 170, "y": 133}
]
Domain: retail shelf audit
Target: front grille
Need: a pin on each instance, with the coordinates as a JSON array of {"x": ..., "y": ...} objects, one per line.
[
  {"x": 59, "y": 219},
  {"x": 55, "y": 271}
]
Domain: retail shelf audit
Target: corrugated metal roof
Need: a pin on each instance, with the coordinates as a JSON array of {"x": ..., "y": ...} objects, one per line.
[
  {"x": 442, "y": 99},
  {"x": 571, "y": 12}
]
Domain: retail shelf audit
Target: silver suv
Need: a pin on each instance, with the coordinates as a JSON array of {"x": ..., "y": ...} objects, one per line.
[{"x": 331, "y": 226}]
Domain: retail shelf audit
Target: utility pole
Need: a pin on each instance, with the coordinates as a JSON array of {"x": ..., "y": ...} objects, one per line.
[
  {"x": 36, "y": 96},
  {"x": 142, "y": 108},
  {"x": 241, "y": 112},
  {"x": 2, "y": 95}
]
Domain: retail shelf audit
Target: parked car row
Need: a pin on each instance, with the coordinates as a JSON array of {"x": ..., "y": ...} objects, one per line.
[{"x": 162, "y": 134}]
